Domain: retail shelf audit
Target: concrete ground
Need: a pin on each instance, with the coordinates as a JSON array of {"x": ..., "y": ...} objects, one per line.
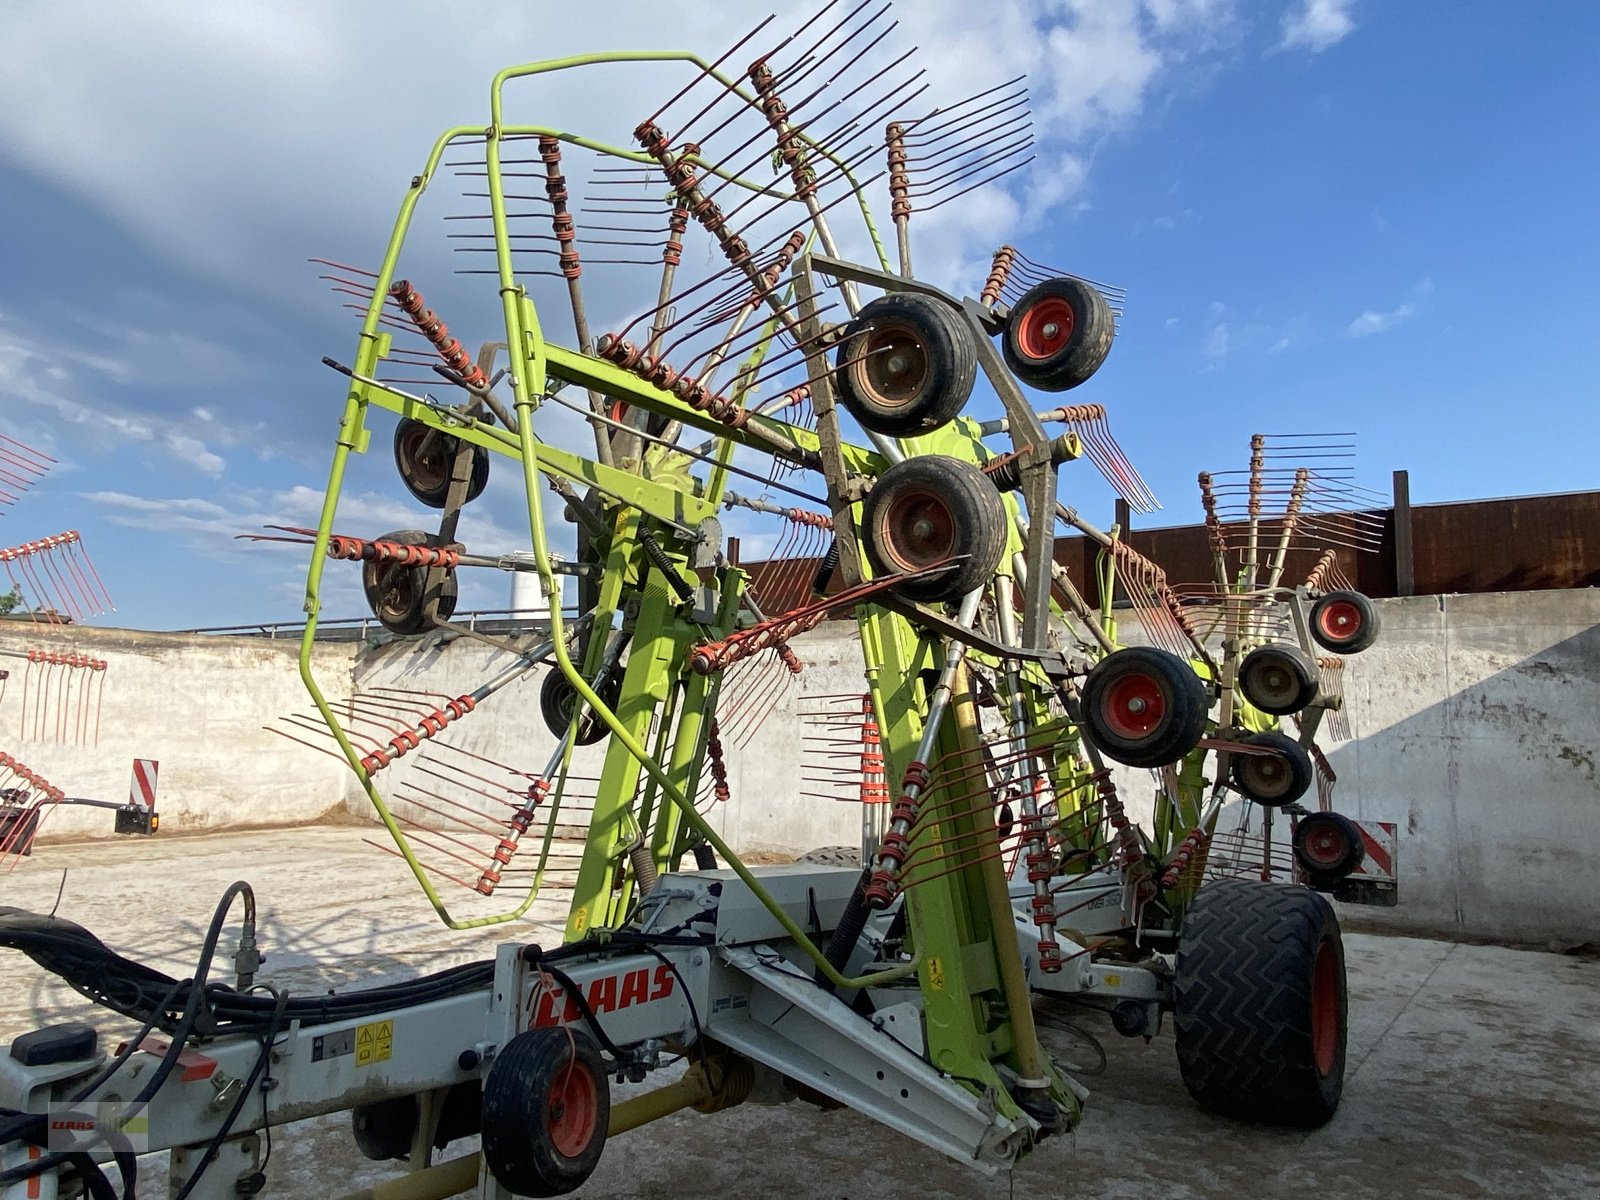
[{"x": 1472, "y": 1069}]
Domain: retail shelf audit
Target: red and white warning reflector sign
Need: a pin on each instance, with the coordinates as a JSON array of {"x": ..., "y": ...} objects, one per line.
[
  {"x": 143, "y": 788},
  {"x": 1380, "y": 839}
]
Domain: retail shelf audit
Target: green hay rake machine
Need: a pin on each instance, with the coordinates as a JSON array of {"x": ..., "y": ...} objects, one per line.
[{"x": 997, "y": 860}]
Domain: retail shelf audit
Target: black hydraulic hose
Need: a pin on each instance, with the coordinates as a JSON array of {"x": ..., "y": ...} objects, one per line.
[{"x": 245, "y": 1095}]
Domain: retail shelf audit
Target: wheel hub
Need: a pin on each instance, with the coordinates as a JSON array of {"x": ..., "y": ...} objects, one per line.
[
  {"x": 1134, "y": 706},
  {"x": 1045, "y": 328}
]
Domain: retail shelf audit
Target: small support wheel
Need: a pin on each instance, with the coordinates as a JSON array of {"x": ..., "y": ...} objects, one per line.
[
  {"x": 1344, "y": 622},
  {"x": 558, "y": 698},
  {"x": 1277, "y": 778},
  {"x": 397, "y": 592},
  {"x": 1058, "y": 334},
  {"x": 426, "y": 461},
  {"x": 1279, "y": 679},
  {"x": 924, "y": 510},
  {"x": 546, "y": 1105},
  {"x": 1328, "y": 846},
  {"x": 1260, "y": 1008},
  {"x": 1144, "y": 707},
  {"x": 906, "y": 365}
]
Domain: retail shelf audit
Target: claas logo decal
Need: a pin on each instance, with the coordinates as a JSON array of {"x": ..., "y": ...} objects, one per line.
[{"x": 605, "y": 994}]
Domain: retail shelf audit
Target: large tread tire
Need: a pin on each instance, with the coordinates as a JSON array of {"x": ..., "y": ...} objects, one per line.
[
  {"x": 926, "y": 509},
  {"x": 1144, "y": 707},
  {"x": 1261, "y": 1013},
  {"x": 1279, "y": 678},
  {"x": 906, "y": 365},
  {"x": 1273, "y": 780},
  {"x": 1344, "y": 622},
  {"x": 1058, "y": 334},
  {"x": 546, "y": 1105},
  {"x": 426, "y": 465},
  {"x": 395, "y": 591},
  {"x": 833, "y": 856}
]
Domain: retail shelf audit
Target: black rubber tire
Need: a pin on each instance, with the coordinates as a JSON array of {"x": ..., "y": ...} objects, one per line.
[
  {"x": 1068, "y": 357},
  {"x": 1328, "y": 847},
  {"x": 1344, "y": 622},
  {"x": 833, "y": 856},
  {"x": 395, "y": 593},
  {"x": 1165, "y": 685},
  {"x": 906, "y": 365},
  {"x": 556, "y": 700},
  {"x": 535, "y": 1080},
  {"x": 1260, "y": 1007},
  {"x": 926, "y": 509},
  {"x": 427, "y": 475},
  {"x": 1279, "y": 678},
  {"x": 1276, "y": 780}
]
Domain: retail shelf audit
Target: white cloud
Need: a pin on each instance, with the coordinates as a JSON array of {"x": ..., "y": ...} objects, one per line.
[
  {"x": 308, "y": 141},
  {"x": 66, "y": 387},
  {"x": 1372, "y": 321},
  {"x": 1217, "y": 343},
  {"x": 1315, "y": 25}
]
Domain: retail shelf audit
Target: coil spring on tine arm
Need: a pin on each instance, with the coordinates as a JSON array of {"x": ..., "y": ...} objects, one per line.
[
  {"x": 409, "y": 739},
  {"x": 436, "y": 331},
  {"x": 637, "y": 360},
  {"x": 998, "y": 274},
  {"x": 1186, "y": 851},
  {"x": 719, "y": 766},
  {"x": 358, "y": 550},
  {"x": 555, "y": 187}
]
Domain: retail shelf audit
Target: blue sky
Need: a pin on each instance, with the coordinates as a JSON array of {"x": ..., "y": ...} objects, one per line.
[{"x": 1328, "y": 216}]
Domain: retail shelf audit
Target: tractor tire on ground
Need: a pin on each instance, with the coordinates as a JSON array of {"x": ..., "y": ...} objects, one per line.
[
  {"x": 833, "y": 856},
  {"x": 1260, "y": 1003},
  {"x": 426, "y": 458},
  {"x": 926, "y": 509},
  {"x": 906, "y": 365},
  {"x": 1328, "y": 846},
  {"x": 1144, "y": 707},
  {"x": 1344, "y": 622},
  {"x": 1279, "y": 679},
  {"x": 396, "y": 591},
  {"x": 546, "y": 1104},
  {"x": 1058, "y": 334},
  {"x": 1273, "y": 780}
]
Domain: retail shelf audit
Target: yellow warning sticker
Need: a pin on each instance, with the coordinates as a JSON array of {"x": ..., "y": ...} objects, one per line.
[
  {"x": 374, "y": 1043},
  {"x": 936, "y": 974}
]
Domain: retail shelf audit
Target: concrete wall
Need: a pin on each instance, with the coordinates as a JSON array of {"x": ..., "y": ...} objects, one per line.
[
  {"x": 1473, "y": 719},
  {"x": 1476, "y": 729},
  {"x": 765, "y": 813},
  {"x": 195, "y": 704}
]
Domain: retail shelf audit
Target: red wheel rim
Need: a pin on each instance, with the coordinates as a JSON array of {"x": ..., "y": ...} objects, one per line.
[
  {"x": 1326, "y": 844},
  {"x": 916, "y": 530},
  {"x": 1134, "y": 706},
  {"x": 573, "y": 1110},
  {"x": 1045, "y": 328},
  {"x": 1324, "y": 1009},
  {"x": 1340, "y": 621},
  {"x": 892, "y": 366}
]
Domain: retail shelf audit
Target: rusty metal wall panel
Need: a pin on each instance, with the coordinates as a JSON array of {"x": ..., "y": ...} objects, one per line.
[{"x": 1527, "y": 543}]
